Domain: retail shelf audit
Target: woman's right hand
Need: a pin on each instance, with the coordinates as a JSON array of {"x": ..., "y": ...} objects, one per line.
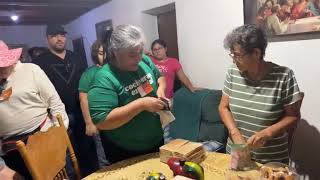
[
  {"x": 152, "y": 104},
  {"x": 91, "y": 130}
]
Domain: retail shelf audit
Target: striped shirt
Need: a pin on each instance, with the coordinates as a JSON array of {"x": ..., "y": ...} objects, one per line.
[{"x": 256, "y": 105}]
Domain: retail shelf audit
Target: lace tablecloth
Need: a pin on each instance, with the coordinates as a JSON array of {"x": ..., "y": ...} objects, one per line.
[{"x": 216, "y": 166}]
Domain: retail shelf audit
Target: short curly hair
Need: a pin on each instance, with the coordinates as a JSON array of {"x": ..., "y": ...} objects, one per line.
[{"x": 249, "y": 37}]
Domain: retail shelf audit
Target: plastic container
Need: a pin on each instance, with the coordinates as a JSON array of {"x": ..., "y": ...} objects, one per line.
[{"x": 240, "y": 157}]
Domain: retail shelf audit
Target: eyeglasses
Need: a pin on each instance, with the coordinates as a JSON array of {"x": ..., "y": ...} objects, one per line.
[
  {"x": 157, "y": 49},
  {"x": 236, "y": 56}
]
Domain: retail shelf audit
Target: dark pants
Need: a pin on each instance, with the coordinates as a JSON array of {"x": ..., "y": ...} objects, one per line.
[
  {"x": 14, "y": 161},
  {"x": 115, "y": 153},
  {"x": 84, "y": 146},
  {"x": 12, "y": 156},
  {"x": 100, "y": 152}
]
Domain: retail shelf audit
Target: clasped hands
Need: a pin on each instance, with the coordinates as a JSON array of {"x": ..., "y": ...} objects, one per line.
[{"x": 256, "y": 141}]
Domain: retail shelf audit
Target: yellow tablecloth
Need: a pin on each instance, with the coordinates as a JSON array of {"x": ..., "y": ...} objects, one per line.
[{"x": 216, "y": 167}]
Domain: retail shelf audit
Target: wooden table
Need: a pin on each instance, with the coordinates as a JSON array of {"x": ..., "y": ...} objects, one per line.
[{"x": 216, "y": 166}]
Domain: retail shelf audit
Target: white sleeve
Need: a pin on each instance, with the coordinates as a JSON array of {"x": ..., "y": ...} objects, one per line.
[{"x": 50, "y": 96}]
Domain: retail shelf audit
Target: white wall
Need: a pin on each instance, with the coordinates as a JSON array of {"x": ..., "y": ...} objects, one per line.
[
  {"x": 201, "y": 28},
  {"x": 130, "y": 12},
  {"x": 302, "y": 57},
  {"x": 84, "y": 26},
  {"x": 121, "y": 12},
  {"x": 29, "y": 35}
]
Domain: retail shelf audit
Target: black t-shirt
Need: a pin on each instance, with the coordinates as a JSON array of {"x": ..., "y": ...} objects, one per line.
[{"x": 64, "y": 75}]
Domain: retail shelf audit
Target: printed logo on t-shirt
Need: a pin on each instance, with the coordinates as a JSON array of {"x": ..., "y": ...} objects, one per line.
[
  {"x": 162, "y": 69},
  {"x": 141, "y": 86},
  {"x": 145, "y": 89}
]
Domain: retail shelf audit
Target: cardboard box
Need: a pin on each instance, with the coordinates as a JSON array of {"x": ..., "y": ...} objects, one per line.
[{"x": 182, "y": 149}]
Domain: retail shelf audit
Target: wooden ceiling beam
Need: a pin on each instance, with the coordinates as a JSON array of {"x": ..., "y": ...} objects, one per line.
[
  {"x": 45, "y": 11},
  {"x": 33, "y": 22},
  {"x": 36, "y": 8},
  {"x": 52, "y": 4},
  {"x": 40, "y": 14},
  {"x": 42, "y": 20}
]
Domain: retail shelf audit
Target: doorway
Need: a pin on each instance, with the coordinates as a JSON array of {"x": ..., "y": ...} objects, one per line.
[
  {"x": 167, "y": 29},
  {"x": 78, "y": 47}
]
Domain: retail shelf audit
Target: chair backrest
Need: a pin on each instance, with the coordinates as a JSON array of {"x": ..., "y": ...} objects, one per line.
[
  {"x": 197, "y": 116},
  {"x": 45, "y": 153},
  {"x": 294, "y": 127},
  {"x": 211, "y": 126}
]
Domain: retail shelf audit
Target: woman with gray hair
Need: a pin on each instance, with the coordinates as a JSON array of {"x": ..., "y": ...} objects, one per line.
[
  {"x": 260, "y": 100},
  {"x": 124, "y": 96}
]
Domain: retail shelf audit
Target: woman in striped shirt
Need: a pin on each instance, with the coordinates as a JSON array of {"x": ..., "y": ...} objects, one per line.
[{"x": 260, "y": 99}]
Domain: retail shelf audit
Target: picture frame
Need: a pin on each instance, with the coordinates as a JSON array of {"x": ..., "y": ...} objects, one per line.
[
  {"x": 284, "y": 20},
  {"x": 104, "y": 30}
]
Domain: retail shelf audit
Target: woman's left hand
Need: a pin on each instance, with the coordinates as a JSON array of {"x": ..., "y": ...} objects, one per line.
[{"x": 259, "y": 139}]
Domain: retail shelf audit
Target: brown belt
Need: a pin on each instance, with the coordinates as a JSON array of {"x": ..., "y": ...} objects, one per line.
[{"x": 9, "y": 144}]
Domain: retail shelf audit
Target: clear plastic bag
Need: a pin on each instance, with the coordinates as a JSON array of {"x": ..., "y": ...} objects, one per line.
[{"x": 240, "y": 157}]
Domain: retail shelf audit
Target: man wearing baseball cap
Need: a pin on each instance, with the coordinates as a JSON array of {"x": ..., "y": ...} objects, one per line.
[
  {"x": 26, "y": 94},
  {"x": 54, "y": 29},
  {"x": 64, "y": 68}
]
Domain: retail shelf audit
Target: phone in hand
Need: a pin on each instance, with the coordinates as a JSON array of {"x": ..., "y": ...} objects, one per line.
[{"x": 167, "y": 106}]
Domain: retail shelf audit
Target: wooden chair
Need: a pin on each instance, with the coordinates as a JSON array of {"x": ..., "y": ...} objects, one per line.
[
  {"x": 45, "y": 153},
  {"x": 294, "y": 127}
]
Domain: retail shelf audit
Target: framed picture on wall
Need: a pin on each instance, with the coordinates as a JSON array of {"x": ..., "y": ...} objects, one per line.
[
  {"x": 104, "y": 30},
  {"x": 284, "y": 19}
]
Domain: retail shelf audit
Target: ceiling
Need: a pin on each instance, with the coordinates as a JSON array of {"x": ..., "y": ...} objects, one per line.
[{"x": 40, "y": 12}]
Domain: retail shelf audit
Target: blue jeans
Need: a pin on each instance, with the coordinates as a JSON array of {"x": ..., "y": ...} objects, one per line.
[
  {"x": 84, "y": 146},
  {"x": 100, "y": 152}
]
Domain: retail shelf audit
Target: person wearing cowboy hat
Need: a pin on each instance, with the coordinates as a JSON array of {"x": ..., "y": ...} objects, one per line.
[{"x": 26, "y": 94}]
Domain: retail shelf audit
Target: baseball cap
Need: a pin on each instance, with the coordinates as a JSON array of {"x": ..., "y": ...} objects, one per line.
[{"x": 54, "y": 29}]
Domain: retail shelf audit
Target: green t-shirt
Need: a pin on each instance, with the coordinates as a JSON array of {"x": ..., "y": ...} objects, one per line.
[
  {"x": 114, "y": 88},
  {"x": 87, "y": 78}
]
